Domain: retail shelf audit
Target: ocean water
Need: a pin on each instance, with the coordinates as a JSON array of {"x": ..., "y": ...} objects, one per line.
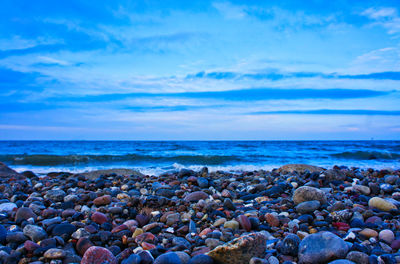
[{"x": 155, "y": 157}]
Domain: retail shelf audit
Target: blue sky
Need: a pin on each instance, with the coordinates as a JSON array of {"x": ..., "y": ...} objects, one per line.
[{"x": 200, "y": 69}]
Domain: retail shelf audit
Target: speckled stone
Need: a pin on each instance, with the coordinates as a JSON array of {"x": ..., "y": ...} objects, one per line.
[
  {"x": 98, "y": 255},
  {"x": 240, "y": 250}
]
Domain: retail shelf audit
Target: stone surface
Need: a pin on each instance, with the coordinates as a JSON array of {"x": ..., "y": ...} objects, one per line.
[
  {"x": 196, "y": 196},
  {"x": 240, "y": 250},
  {"x": 55, "y": 253},
  {"x": 201, "y": 259},
  {"x": 102, "y": 200},
  {"x": 322, "y": 247},
  {"x": 6, "y": 172},
  {"x": 55, "y": 195},
  {"x": 306, "y": 193},
  {"x": 290, "y": 168},
  {"x": 168, "y": 258},
  {"x": 289, "y": 245},
  {"x": 24, "y": 213},
  {"x": 98, "y": 255},
  {"x": 381, "y": 204},
  {"x": 7, "y": 207},
  {"x": 308, "y": 207},
  {"x": 36, "y": 233},
  {"x": 387, "y": 236},
  {"x": 93, "y": 175},
  {"x": 357, "y": 257}
]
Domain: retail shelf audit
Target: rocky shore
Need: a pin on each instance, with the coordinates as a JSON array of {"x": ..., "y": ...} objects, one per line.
[{"x": 294, "y": 214}]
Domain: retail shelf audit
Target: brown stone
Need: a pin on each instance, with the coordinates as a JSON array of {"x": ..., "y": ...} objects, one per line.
[
  {"x": 290, "y": 168},
  {"x": 240, "y": 250},
  {"x": 99, "y": 218},
  {"x": 244, "y": 222},
  {"x": 272, "y": 220},
  {"x": 196, "y": 196},
  {"x": 102, "y": 200}
]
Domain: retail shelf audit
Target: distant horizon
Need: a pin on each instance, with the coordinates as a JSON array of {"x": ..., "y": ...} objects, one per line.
[{"x": 195, "y": 140}]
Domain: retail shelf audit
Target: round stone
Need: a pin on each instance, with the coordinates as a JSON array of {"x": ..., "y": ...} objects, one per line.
[
  {"x": 35, "y": 233},
  {"x": 196, "y": 196},
  {"x": 54, "y": 253},
  {"x": 322, "y": 247},
  {"x": 82, "y": 245},
  {"x": 55, "y": 195},
  {"x": 357, "y": 257},
  {"x": 368, "y": 232},
  {"x": 7, "y": 207},
  {"x": 289, "y": 245},
  {"x": 24, "y": 213},
  {"x": 201, "y": 259},
  {"x": 308, "y": 207},
  {"x": 386, "y": 235},
  {"x": 381, "y": 204},
  {"x": 98, "y": 255},
  {"x": 102, "y": 200},
  {"x": 231, "y": 224},
  {"x": 168, "y": 258},
  {"x": 99, "y": 218},
  {"x": 306, "y": 193}
]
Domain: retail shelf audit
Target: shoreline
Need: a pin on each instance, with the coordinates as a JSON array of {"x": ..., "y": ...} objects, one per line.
[{"x": 122, "y": 216}]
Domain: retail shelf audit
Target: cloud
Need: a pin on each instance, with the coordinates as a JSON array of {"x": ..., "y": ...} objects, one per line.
[
  {"x": 255, "y": 94},
  {"x": 229, "y": 10},
  {"x": 331, "y": 112},
  {"x": 276, "y": 75},
  {"x": 386, "y": 17}
]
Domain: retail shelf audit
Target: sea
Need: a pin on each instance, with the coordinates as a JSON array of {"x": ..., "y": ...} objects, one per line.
[{"x": 156, "y": 157}]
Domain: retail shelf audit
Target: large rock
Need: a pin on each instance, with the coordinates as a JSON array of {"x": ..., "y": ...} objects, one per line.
[
  {"x": 240, "y": 250},
  {"x": 334, "y": 175},
  {"x": 93, "y": 175},
  {"x": 98, "y": 255},
  {"x": 290, "y": 168},
  {"x": 168, "y": 258},
  {"x": 306, "y": 193},
  {"x": 322, "y": 247},
  {"x": 381, "y": 204},
  {"x": 6, "y": 172}
]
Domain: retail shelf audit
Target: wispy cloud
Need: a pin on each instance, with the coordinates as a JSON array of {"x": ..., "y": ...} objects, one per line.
[
  {"x": 365, "y": 112},
  {"x": 386, "y": 17}
]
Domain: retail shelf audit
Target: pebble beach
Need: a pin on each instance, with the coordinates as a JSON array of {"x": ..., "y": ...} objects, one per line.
[{"x": 293, "y": 214}]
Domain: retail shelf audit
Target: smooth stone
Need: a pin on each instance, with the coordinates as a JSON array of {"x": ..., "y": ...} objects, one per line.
[
  {"x": 306, "y": 193},
  {"x": 7, "y": 207},
  {"x": 229, "y": 204},
  {"x": 219, "y": 221},
  {"x": 35, "y": 233},
  {"x": 381, "y": 204},
  {"x": 196, "y": 196},
  {"x": 173, "y": 219},
  {"x": 83, "y": 245},
  {"x": 386, "y": 235},
  {"x": 202, "y": 182},
  {"x": 168, "y": 258},
  {"x": 201, "y": 259},
  {"x": 145, "y": 257},
  {"x": 362, "y": 189},
  {"x": 55, "y": 195},
  {"x": 98, "y": 255},
  {"x": 341, "y": 261},
  {"x": 244, "y": 222},
  {"x": 357, "y": 257},
  {"x": 185, "y": 258},
  {"x": 368, "y": 232},
  {"x": 213, "y": 242},
  {"x": 307, "y": 207},
  {"x": 289, "y": 245},
  {"x": 102, "y": 200},
  {"x": 63, "y": 230},
  {"x": 24, "y": 213},
  {"x": 241, "y": 249},
  {"x": 99, "y": 218},
  {"x": 255, "y": 260},
  {"x": 180, "y": 241},
  {"x": 55, "y": 253},
  {"x": 395, "y": 244},
  {"x": 322, "y": 247},
  {"x": 231, "y": 224},
  {"x": 165, "y": 192},
  {"x": 391, "y": 179},
  {"x": 132, "y": 259}
]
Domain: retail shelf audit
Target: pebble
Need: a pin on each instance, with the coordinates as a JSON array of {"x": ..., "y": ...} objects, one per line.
[
  {"x": 308, "y": 207},
  {"x": 168, "y": 258},
  {"x": 386, "y": 235},
  {"x": 201, "y": 259},
  {"x": 8, "y": 207},
  {"x": 322, "y": 247},
  {"x": 306, "y": 193},
  {"x": 98, "y": 255},
  {"x": 196, "y": 196},
  {"x": 357, "y": 257},
  {"x": 231, "y": 224},
  {"x": 381, "y": 204},
  {"x": 36, "y": 233},
  {"x": 102, "y": 200},
  {"x": 55, "y": 253}
]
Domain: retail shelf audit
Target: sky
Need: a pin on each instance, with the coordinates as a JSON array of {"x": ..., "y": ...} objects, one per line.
[{"x": 199, "y": 70}]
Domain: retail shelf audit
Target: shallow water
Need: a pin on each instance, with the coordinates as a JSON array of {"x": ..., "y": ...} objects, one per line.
[{"x": 154, "y": 157}]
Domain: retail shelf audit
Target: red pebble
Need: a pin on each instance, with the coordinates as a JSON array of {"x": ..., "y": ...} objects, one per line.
[{"x": 99, "y": 218}]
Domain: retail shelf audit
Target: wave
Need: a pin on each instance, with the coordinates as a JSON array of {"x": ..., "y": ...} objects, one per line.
[
  {"x": 367, "y": 155},
  {"x": 54, "y": 160}
]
